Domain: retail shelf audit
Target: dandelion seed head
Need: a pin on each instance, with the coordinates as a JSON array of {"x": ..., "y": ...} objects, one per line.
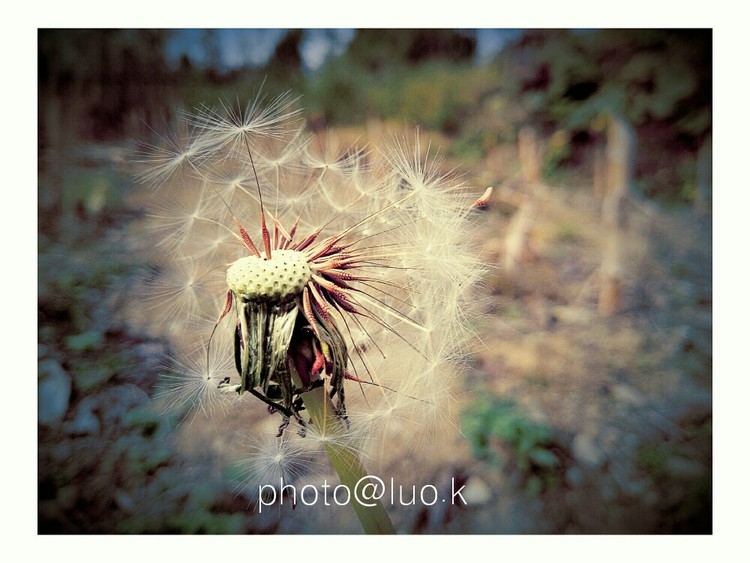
[{"x": 376, "y": 244}]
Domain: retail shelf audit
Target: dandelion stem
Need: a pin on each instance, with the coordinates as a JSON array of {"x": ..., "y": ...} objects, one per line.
[{"x": 346, "y": 462}]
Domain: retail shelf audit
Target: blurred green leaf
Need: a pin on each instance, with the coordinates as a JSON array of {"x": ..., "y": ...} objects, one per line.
[
  {"x": 85, "y": 341},
  {"x": 490, "y": 422},
  {"x": 543, "y": 457}
]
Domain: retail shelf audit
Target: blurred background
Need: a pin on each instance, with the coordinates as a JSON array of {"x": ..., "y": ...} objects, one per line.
[{"x": 585, "y": 408}]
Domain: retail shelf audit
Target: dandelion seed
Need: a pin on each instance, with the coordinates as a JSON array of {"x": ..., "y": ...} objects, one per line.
[
  {"x": 176, "y": 219},
  {"x": 173, "y": 159},
  {"x": 182, "y": 290},
  {"x": 232, "y": 127},
  {"x": 331, "y": 156},
  {"x": 190, "y": 385},
  {"x": 270, "y": 460},
  {"x": 433, "y": 195}
]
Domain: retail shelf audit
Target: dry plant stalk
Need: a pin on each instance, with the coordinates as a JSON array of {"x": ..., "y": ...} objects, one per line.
[
  {"x": 600, "y": 179},
  {"x": 517, "y": 247},
  {"x": 620, "y": 161},
  {"x": 529, "y": 153}
]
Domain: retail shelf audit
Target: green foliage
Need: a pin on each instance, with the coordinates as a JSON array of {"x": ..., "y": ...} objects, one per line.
[
  {"x": 417, "y": 76},
  {"x": 90, "y": 190},
  {"x": 378, "y": 49},
  {"x": 85, "y": 341},
  {"x": 558, "y": 151},
  {"x": 474, "y": 144},
  {"x": 570, "y": 78},
  {"x": 500, "y": 432},
  {"x": 341, "y": 94},
  {"x": 659, "y": 80},
  {"x": 436, "y": 95}
]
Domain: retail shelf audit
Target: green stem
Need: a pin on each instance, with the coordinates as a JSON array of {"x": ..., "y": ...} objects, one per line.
[{"x": 346, "y": 462}]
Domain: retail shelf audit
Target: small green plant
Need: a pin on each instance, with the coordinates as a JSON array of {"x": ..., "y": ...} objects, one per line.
[{"x": 501, "y": 433}]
